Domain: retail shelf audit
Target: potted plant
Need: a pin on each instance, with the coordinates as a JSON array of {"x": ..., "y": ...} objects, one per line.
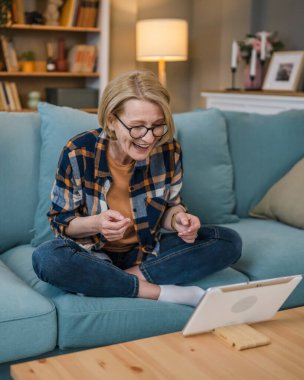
[
  {"x": 253, "y": 41},
  {"x": 27, "y": 61}
]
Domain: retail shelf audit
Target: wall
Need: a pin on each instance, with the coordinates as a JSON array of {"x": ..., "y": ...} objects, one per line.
[
  {"x": 283, "y": 16},
  {"x": 213, "y": 25},
  {"x": 122, "y": 36},
  {"x": 216, "y": 23},
  {"x": 205, "y": 47}
]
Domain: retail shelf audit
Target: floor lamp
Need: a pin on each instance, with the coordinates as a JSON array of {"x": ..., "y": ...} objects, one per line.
[{"x": 161, "y": 40}]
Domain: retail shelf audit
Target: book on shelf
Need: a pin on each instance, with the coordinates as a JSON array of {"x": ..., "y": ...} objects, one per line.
[
  {"x": 16, "y": 96},
  {"x": 82, "y": 58},
  {"x": 87, "y": 13},
  {"x": 18, "y": 11},
  {"x": 9, "y": 54},
  {"x": 3, "y": 98},
  {"x": 68, "y": 13},
  {"x": 11, "y": 101},
  {"x": 9, "y": 97},
  {"x": 12, "y": 12},
  {"x": 6, "y": 12}
]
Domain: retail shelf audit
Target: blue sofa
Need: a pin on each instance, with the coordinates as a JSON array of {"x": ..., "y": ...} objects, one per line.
[{"x": 230, "y": 160}]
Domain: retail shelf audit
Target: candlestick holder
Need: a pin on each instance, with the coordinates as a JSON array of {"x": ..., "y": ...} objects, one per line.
[
  {"x": 263, "y": 61},
  {"x": 252, "y": 87},
  {"x": 233, "y": 88}
]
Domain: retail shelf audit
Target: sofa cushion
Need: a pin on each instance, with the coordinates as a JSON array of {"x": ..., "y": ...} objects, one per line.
[
  {"x": 208, "y": 173},
  {"x": 263, "y": 148},
  {"x": 87, "y": 321},
  {"x": 284, "y": 201},
  {"x": 28, "y": 323},
  {"x": 271, "y": 249},
  {"x": 19, "y": 155},
  {"x": 58, "y": 125},
  {"x": 91, "y": 321},
  {"x": 19, "y": 260}
]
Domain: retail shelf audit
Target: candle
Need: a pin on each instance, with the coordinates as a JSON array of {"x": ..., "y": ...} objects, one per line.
[
  {"x": 263, "y": 45},
  {"x": 235, "y": 50},
  {"x": 253, "y": 62}
]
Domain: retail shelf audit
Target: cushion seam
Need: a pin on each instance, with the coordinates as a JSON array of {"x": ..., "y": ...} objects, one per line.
[
  {"x": 28, "y": 317},
  {"x": 118, "y": 311}
]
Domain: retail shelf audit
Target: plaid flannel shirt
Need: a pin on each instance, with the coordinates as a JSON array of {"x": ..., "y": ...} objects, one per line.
[{"x": 83, "y": 180}]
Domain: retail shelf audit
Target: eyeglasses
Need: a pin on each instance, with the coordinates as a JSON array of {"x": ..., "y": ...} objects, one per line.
[{"x": 141, "y": 131}]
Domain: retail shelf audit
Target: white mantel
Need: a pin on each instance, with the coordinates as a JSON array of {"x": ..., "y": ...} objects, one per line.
[{"x": 259, "y": 101}]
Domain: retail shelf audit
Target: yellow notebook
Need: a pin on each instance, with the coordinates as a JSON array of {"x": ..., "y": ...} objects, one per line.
[{"x": 67, "y": 13}]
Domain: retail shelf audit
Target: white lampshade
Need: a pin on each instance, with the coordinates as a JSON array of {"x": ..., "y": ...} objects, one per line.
[{"x": 162, "y": 39}]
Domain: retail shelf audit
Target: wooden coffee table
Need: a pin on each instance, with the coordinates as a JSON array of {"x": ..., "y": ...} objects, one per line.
[{"x": 172, "y": 356}]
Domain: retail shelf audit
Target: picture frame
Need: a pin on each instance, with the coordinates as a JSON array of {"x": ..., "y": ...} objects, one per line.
[{"x": 285, "y": 71}]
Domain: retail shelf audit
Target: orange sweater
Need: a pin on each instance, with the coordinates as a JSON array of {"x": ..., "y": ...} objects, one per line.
[{"x": 118, "y": 199}]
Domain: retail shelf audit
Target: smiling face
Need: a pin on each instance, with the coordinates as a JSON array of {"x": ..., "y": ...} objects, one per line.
[{"x": 135, "y": 113}]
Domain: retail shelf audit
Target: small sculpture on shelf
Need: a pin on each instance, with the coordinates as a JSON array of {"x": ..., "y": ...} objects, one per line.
[
  {"x": 33, "y": 18},
  {"x": 33, "y": 99},
  {"x": 51, "y": 14}
]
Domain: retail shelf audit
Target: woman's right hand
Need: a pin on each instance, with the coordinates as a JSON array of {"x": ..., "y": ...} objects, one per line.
[{"x": 112, "y": 224}]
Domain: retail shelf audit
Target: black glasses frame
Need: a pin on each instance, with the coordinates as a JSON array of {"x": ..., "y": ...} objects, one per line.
[{"x": 141, "y": 127}]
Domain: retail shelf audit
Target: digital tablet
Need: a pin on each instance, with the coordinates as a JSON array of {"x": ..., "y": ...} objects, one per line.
[{"x": 248, "y": 302}]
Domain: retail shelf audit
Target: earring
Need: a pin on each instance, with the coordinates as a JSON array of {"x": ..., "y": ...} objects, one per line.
[{"x": 112, "y": 135}]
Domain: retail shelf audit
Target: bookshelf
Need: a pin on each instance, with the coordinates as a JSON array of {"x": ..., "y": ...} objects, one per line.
[{"x": 35, "y": 37}]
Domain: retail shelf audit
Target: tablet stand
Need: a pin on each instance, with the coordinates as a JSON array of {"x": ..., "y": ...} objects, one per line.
[{"x": 241, "y": 336}]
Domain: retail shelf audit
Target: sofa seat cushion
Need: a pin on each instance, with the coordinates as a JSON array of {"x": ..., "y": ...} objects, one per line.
[
  {"x": 90, "y": 321},
  {"x": 271, "y": 249},
  {"x": 28, "y": 323},
  {"x": 208, "y": 174}
]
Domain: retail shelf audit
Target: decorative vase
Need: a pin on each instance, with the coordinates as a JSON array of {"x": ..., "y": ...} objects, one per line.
[
  {"x": 61, "y": 63},
  {"x": 27, "y": 66},
  {"x": 255, "y": 84}
]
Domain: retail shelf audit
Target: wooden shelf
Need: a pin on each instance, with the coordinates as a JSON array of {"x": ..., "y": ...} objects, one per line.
[
  {"x": 48, "y": 74},
  {"x": 89, "y": 110},
  {"x": 51, "y": 28}
]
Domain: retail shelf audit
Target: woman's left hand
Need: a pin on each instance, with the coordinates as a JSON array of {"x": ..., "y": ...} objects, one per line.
[{"x": 186, "y": 226}]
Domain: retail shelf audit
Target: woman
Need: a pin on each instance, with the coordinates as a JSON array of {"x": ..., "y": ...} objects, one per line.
[{"x": 115, "y": 188}]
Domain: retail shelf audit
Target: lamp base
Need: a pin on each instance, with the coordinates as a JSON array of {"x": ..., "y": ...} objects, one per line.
[{"x": 162, "y": 72}]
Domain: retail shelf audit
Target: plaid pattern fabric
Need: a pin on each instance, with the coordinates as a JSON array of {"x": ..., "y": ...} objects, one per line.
[{"x": 83, "y": 180}]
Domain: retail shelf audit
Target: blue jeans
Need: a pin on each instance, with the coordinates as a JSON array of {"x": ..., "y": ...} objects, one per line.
[{"x": 63, "y": 263}]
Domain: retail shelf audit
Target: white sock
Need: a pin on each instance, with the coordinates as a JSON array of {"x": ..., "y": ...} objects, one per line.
[{"x": 187, "y": 295}]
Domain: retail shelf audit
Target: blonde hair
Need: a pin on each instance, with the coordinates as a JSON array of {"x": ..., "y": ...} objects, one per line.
[{"x": 138, "y": 84}]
